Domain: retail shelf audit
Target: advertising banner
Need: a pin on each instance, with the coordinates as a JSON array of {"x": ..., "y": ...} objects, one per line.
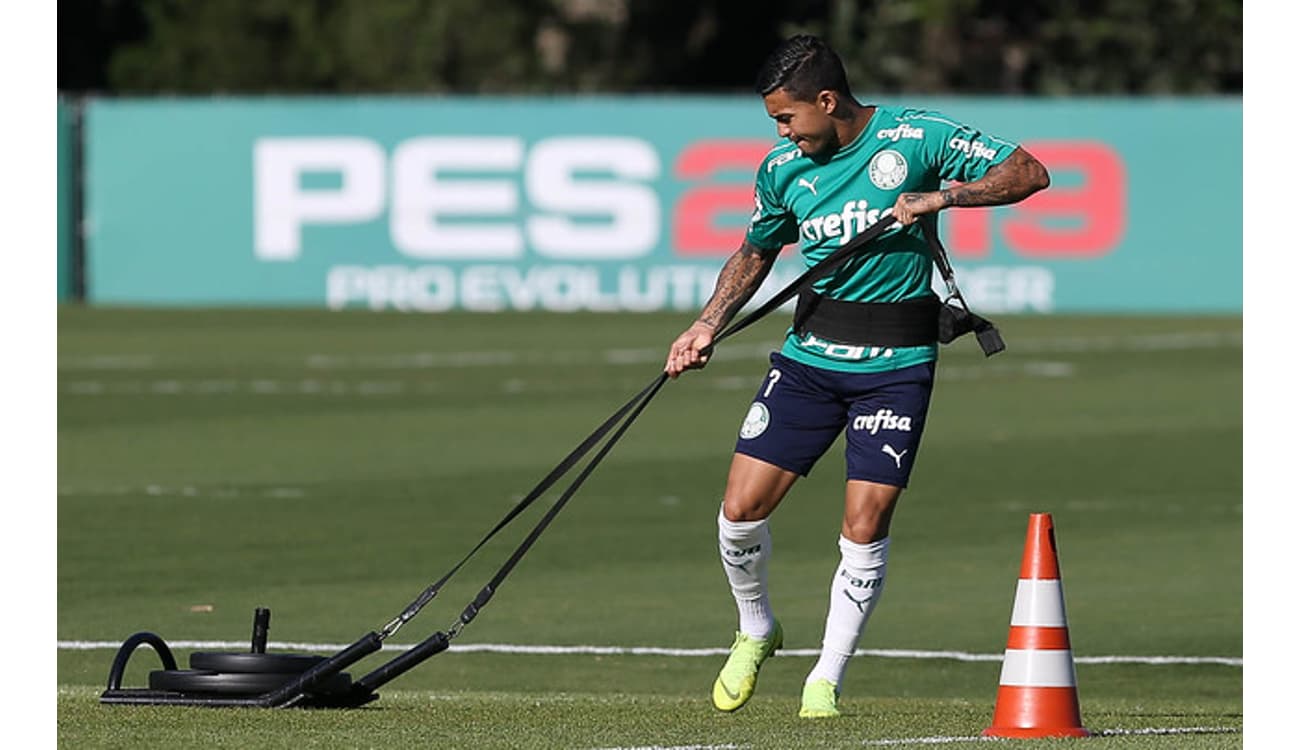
[{"x": 616, "y": 203}]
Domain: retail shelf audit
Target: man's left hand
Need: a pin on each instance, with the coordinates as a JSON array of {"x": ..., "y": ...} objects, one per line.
[{"x": 910, "y": 206}]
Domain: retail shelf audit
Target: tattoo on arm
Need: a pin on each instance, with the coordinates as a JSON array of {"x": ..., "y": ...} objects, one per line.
[
  {"x": 1016, "y": 178},
  {"x": 740, "y": 278}
]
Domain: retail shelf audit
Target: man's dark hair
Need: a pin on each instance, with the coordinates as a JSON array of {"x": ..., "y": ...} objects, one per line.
[{"x": 803, "y": 65}]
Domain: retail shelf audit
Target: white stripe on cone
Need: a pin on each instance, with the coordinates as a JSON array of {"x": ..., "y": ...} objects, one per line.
[
  {"x": 1039, "y": 603},
  {"x": 1038, "y": 668}
]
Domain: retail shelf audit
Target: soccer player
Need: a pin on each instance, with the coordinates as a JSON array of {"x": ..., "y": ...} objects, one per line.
[{"x": 861, "y": 356}]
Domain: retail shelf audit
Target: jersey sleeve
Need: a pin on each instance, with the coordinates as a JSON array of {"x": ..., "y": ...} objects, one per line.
[
  {"x": 772, "y": 226},
  {"x": 958, "y": 151}
]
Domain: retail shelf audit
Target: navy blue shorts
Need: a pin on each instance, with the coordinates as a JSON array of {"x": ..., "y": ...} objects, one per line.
[{"x": 800, "y": 410}]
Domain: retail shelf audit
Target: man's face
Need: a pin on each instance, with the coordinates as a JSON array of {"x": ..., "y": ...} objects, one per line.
[{"x": 806, "y": 124}]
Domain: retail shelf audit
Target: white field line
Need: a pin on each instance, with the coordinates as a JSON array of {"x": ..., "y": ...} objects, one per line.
[
  {"x": 264, "y": 386},
  {"x": 948, "y": 740},
  {"x": 1172, "y": 341},
  {"x": 324, "y": 387},
  {"x": 189, "y": 491},
  {"x": 677, "y": 747},
  {"x": 542, "y": 650},
  {"x": 926, "y": 741},
  {"x": 954, "y": 739},
  {"x": 1099, "y": 733},
  {"x": 1168, "y": 730}
]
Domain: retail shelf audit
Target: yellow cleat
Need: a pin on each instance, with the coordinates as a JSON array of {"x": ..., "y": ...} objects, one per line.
[
  {"x": 819, "y": 699},
  {"x": 736, "y": 681}
]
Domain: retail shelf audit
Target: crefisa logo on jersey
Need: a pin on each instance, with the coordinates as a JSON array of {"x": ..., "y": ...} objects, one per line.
[{"x": 887, "y": 169}]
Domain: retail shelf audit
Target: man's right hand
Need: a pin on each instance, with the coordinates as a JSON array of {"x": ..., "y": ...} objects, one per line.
[{"x": 690, "y": 351}]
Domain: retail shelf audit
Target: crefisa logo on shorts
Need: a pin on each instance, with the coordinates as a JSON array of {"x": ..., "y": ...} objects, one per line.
[
  {"x": 755, "y": 421},
  {"x": 883, "y": 419}
]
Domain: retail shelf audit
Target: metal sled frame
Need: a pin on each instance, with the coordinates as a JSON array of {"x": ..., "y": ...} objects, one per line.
[{"x": 296, "y": 693}]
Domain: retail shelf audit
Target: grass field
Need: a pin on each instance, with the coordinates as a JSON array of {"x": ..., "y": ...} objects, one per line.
[{"x": 329, "y": 466}]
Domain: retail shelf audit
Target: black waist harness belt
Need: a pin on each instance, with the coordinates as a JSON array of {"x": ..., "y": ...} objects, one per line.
[{"x": 909, "y": 323}]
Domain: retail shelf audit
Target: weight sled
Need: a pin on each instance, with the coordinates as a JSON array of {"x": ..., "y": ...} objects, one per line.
[{"x": 259, "y": 679}]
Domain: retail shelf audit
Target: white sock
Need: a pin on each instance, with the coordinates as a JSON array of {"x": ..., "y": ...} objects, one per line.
[
  {"x": 745, "y": 547},
  {"x": 856, "y": 588}
]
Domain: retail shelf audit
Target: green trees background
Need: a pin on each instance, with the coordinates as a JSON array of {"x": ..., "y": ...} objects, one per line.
[{"x": 1038, "y": 47}]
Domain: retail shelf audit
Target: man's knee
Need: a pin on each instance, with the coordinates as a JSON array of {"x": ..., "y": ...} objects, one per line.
[
  {"x": 868, "y": 510},
  {"x": 754, "y": 489},
  {"x": 742, "y": 508},
  {"x": 751, "y": 499}
]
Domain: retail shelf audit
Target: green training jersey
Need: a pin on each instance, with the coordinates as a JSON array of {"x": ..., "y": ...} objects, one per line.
[{"x": 823, "y": 203}]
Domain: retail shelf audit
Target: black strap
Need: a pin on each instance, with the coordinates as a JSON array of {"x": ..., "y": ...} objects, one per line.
[
  {"x": 559, "y": 471},
  {"x": 818, "y": 272},
  {"x": 471, "y": 610},
  {"x": 913, "y": 322},
  {"x": 619, "y": 422}
]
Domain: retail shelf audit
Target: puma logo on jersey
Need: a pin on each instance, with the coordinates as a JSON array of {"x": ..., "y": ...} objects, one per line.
[
  {"x": 888, "y": 450},
  {"x": 812, "y": 186}
]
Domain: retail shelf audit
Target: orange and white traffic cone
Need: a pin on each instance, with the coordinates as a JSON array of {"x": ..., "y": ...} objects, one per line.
[{"x": 1037, "y": 693}]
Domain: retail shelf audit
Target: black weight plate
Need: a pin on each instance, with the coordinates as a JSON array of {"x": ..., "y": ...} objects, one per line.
[
  {"x": 235, "y": 683},
  {"x": 250, "y": 663}
]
